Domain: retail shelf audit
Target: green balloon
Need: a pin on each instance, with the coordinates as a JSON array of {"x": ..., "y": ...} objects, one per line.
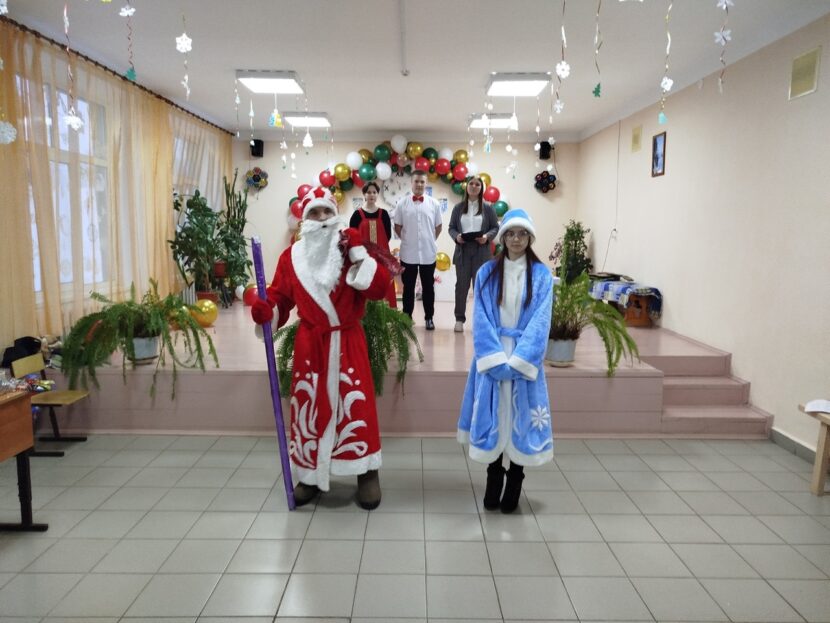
[
  {"x": 382, "y": 153},
  {"x": 500, "y": 207},
  {"x": 394, "y": 168},
  {"x": 346, "y": 185},
  {"x": 430, "y": 152},
  {"x": 292, "y": 200},
  {"x": 459, "y": 190},
  {"x": 408, "y": 169},
  {"x": 367, "y": 172},
  {"x": 449, "y": 177}
]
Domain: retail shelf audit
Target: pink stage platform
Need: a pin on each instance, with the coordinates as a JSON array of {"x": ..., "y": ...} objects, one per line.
[{"x": 681, "y": 388}]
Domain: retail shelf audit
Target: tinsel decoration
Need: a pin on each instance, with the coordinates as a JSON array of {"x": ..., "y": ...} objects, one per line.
[
  {"x": 563, "y": 70},
  {"x": 72, "y": 119},
  {"x": 128, "y": 11},
  {"x": 666, "y": 83},
  {"x": 236, "y": 103},
  {"x": 722, "y": 37},
  {"x": 184, "y": 44},
  {"x": 597, "y": 45}
]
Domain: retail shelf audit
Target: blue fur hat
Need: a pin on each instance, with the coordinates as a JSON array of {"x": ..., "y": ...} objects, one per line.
[{"x": 516, "y": 218}]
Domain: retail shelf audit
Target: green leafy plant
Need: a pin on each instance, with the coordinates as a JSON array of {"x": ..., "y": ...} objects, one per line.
[
  {"x": 195, "y": 246},
  {"x": 230, "y": 234},
  {"x": 574, "y": 309},
  {"x": 96, "y": 336},
  {"x": 571, "y": 252},
  {"x": 388, "y": 333}
]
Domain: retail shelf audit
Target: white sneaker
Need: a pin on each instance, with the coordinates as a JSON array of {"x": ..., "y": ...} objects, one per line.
[{"x": 459, "y": 327}]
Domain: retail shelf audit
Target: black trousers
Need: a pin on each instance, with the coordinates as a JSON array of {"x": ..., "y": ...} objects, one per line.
[{"x": 409, "y": 277}]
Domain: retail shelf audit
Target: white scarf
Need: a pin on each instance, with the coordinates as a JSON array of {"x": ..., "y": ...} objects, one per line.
[{"x": 319, "y": 250}]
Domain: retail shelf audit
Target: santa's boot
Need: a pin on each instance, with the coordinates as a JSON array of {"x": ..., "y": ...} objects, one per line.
[
  {"x": 368, "y": 490},
  {"x": 495, "y": 482},
  {"x": 303, "y": 493},
  {"x": 513, "y": 488}
]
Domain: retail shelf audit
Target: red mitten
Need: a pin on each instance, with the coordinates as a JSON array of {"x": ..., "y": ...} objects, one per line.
[
  {"x": 350, "y": 237},
  {"x": 261, "y": 311}
]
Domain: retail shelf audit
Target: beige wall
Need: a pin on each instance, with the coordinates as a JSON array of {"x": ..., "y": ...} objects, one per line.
[
  {"x": 268, "y": 210},
  {"x": 736, "y": 234}
]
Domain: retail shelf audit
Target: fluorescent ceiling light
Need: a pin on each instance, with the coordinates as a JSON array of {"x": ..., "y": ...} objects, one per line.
[
  {"x": 516, "y": 85},
  {"x": 307, "y": 119},
  {"x": 491, "y": 121},
  {"x": 280, "y": 82}
]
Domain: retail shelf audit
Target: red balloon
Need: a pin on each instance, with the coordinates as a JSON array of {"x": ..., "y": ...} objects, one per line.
[
  {"x": 492, "y": 194},
  {"x": 393, "y": 159},
  {"x": 297, "y": 209},
  {"x": 327, "y": 179},
  {"x": 421, "y": 164},
  {"x": 442, "y": 166},
  {"x": 249, "y": 296},
  {"x": 358, "y": 181},
  {"x": 301, "y": 190},
  {"x": 459, "y": 172}
]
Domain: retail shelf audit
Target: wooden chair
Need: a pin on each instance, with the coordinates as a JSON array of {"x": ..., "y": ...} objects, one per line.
[
  {"x": 822, "y": 450},
  {"x": 34, "y": 364}
]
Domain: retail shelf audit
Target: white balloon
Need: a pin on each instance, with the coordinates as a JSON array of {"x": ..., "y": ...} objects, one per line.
[
  {"x": 240, "y": 290},
  {"x": 354, "y": 160},
  {"x": 383, "y": 170},
  {"x": 472, "y": 168},
  {"x": 446, "y": 153},
  {"x": 398, "y": 143}
]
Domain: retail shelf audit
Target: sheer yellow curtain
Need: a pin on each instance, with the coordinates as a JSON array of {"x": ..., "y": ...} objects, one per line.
[{"x": 82, "y": 211}]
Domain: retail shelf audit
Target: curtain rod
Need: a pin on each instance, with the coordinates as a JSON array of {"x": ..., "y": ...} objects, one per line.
[{"x": 31, "y": 31}]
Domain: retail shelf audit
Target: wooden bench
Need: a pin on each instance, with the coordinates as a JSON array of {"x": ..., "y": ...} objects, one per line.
[{"x": 822, "y": 450}]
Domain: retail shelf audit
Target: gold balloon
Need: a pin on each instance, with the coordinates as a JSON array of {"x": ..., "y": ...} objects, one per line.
[
  {"x": 205, "y": 313},
  {"x": 413, "y": 150},
  {"x": 171, "y": 319},
  {"x": 342, "y": 172},
  {"x": 485, "y": 177},
  {"x": 442, "y": 261},
  {"x": 365, "y": 154},
  {"x": 460, "y": 155},
  {"x": 433, "y": 177},
  {"x": 463, "y": 185},
  {"x": 432, "y": 161},
  {"x": 339, "y": 195}
]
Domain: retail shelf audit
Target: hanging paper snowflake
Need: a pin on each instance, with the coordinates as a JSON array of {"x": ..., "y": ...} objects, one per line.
[
  {"x": 7, "y": 133},
  {"x": 307, "y": 142},
  {"x": 725, "y": 4},
  {"x": 4, "y": 8},
  {"x": 73, "y": 120},
  {"x": 722, "y": 36},
  {"x": 661, "y": 118},
  {"x": 597, "y": 90},
  {"x": 127, "y": 11},
  {"x": 184, "y": 44},
  {"x": 666, "y": 84},
  {"x": 275, "y": 120},
  {"x": 130, "y": 75},
  {"x": 563, "y": 70},
  {"x": 558, "y": 106}
]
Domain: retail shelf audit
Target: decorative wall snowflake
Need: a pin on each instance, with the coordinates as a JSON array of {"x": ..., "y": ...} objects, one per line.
[{"x": 563, "y": 70}]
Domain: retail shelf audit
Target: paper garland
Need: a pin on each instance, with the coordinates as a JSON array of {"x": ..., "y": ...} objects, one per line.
[
  {"x": 722, "y": 37},
  {"x": 666, "y": 83}
]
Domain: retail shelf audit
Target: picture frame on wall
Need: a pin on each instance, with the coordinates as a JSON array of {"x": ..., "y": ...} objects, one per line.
[{"x": 658, "y": 154}]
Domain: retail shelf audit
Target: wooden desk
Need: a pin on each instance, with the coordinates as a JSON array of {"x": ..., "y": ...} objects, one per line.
[
  {"x": 822, "y": 450},
  {"x": 16, "y": 440}
]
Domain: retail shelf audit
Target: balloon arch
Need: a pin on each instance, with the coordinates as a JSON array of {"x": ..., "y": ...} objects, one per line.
[{"x": 398, "y": 157}]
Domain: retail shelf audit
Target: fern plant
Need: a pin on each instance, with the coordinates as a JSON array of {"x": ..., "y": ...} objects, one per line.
[
  {"x": 96, "y": 336},
  {"x": 388, "y": 333},
  {"x": 574, "y": 309}
]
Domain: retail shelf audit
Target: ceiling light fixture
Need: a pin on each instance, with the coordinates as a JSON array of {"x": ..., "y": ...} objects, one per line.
[
  {"x": 307, "y": 119},
  {"x": 517, "y": 84},
  {"x": 264, "y": 81}
]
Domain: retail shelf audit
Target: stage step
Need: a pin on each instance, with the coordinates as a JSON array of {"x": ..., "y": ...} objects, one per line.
[
  {"x": 704, "y": 390},
  {"x": 714, "y": 363},
  {"x": 738, "y": 421}
]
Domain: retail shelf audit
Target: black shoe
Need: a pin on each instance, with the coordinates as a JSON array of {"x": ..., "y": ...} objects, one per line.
[
  {"x": 303, "y": 493},
  {"x": 512, "y": 489},
  {"x": 430, "y": 325},
  {"x": 368, "y": 490},
  {"x": 495, "y": 482}
]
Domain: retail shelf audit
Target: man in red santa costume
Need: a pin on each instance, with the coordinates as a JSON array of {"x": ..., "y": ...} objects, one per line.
[{"x": 328, "y": 275}]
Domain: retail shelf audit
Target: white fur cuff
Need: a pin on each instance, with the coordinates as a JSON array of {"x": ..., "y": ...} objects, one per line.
[
  {"x": 357, "y": 254},
  {"x": 361, "y": 274},
  {"x": 526, "y": 368},
  {"x": 490, "y": 361}
]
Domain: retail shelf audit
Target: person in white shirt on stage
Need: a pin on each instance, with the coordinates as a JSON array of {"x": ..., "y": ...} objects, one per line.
[{"x": 417, "y": 220}]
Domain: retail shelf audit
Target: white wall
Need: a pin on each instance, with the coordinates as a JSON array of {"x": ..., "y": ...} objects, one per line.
[
  {"x": 269, "y": 208},
  {"x": 736, "y": 234}
]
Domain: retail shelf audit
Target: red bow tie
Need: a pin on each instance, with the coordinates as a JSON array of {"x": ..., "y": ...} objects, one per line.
[{"x": 417, "y": 199}]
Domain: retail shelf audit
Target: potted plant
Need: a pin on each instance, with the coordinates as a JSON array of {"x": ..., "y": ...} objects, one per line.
[
  {"x": 195, "y": 246},
  {"x": 571, "y": 252},
  {"x": 233, "y": 254},
  {"x": 388, "y": 332},
  {"x": 142, "y": 331}
]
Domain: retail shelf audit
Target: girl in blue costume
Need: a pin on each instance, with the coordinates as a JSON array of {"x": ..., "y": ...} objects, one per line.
[{"x": 506, "y": 408}]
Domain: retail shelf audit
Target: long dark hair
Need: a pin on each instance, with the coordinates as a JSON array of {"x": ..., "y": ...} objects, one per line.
[
  {"x": 369, "y": 185},
  {"x": 466, "y": 201},
  {"x": 498, "y": 271}
]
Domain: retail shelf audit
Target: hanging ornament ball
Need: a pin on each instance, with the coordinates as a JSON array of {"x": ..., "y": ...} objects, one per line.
[
  {"x": 414, "y": 149},
  {"x": 442, "y": 261},
  {"x": 342, "y": 171},
  {"x": 485, "y": 177},
  {"x": 204, "y": 312},
  {"x": 367, "y": 172},
  {"x": 500, "y": 207},
  {"x": 382, "y": 153},
  {"x": 460, "y": 156}
]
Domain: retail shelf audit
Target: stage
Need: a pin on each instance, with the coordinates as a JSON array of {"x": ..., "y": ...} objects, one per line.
[{"x": 680, "y": 389}]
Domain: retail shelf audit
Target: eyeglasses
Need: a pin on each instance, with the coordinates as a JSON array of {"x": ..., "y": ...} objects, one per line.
[{"x": 521, "y": 234}]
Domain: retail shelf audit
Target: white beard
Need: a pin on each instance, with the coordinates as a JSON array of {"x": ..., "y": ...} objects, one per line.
[{"x": 319, "y": 249}]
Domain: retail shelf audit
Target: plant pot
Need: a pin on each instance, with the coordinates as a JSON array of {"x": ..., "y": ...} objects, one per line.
[
  {"x": 146, "y": 350},
  {"x": 560, "y": 353},
  {"x": 220, "y": 269},
  {"x": 210, "y": 296}
]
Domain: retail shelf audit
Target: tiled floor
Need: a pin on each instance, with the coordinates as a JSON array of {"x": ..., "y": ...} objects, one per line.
[{"x": 196, "y": 528}]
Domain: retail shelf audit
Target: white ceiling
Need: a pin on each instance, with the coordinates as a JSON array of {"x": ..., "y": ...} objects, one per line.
[{"x": 348, "y": 53}]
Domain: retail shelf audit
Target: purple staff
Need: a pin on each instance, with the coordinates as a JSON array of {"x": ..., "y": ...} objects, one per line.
[{"x": 256, "y": 247}]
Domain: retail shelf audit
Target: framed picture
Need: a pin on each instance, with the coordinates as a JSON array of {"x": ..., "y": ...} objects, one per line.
[{"x": 658, "y": 154}]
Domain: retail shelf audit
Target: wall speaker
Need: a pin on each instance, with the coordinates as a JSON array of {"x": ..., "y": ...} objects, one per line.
[
  {"x": 257, "y": 148},
  {"x": 544, "y": 150}
]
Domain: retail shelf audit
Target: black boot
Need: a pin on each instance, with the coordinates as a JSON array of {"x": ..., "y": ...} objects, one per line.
[
  {"x": 513, "y": 488},
  {"x": 495, "y": 482}
]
